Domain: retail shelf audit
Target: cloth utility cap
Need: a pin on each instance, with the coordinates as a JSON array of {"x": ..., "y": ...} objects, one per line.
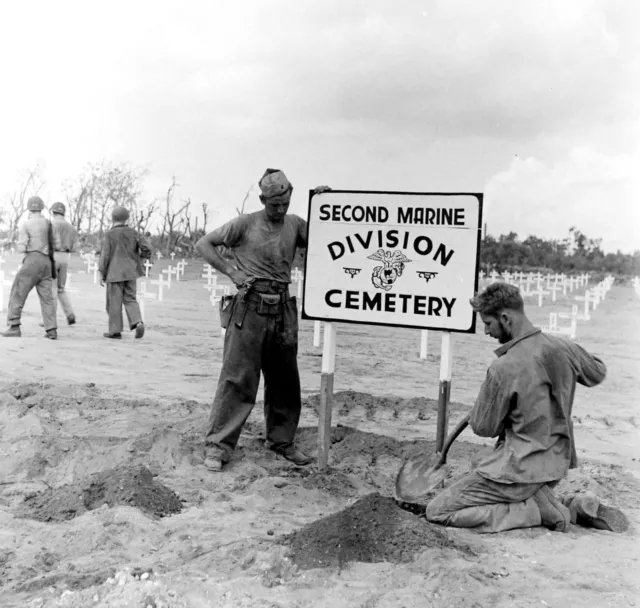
[
  {"x": 119, "y": 214},
  {"x": 274, "y": 183},
  {"x": 35, "y": 203},
  {"x": 58, "y": 208}
]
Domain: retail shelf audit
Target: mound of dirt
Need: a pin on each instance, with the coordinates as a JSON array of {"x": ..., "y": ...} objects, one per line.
[
  {"x": 130, "y": 486},
  {"x": 373, "y": 529}
]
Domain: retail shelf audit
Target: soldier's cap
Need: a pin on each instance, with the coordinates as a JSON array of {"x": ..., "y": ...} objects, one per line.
[
  {"x": 120, "y": 214},
  {"x": 58, "y": 208},
  {"x": 274, "y": 183},
  {"x": 35, "y": 203}
]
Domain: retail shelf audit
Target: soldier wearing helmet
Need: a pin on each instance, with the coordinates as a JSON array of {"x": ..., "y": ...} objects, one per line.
[
  {"x": 66, "y": 237},
  {"x": 261, "y": 322},
  {"x": 120, "y": 265},
  {"x": 37, "y": 241}
]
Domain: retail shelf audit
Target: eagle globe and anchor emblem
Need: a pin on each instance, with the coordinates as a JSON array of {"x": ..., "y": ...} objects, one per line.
[{"x": 393, "y": 264}]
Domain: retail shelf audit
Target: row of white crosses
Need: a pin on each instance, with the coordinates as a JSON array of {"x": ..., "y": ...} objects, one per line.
[
  {"x": 161, "y": 282},
  {"x": 592, "y": 297},
  {"x": 545, "y": 285}
]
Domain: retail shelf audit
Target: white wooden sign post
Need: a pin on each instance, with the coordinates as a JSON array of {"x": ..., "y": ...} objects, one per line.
[
  {"x": 317, "y": 328},
  {"x": 424, "y": 343},
  {"x": 444, "y": 389},
  {"x": 394, "y": 259},
  {"x": 326, "y": 394}
]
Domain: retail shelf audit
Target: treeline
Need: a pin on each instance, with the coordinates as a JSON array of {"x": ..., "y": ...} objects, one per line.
[{"x": 576, "y": 253}]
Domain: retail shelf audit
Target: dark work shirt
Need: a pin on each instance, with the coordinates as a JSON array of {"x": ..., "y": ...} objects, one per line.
[
  {"x": 262, "y": 253},
  {"x": 122, "y": 251},
  {"x": 526, "y": 401}
]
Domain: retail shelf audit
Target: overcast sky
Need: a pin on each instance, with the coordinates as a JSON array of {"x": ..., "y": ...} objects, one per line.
[{"x": 535, "y": 102}]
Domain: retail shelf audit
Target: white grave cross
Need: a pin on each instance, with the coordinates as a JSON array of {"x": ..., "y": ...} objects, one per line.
[
  {"x": 209, "y": 273},
  {"x": 169, "y": 272},
  {"x": 160, "y": 283}
]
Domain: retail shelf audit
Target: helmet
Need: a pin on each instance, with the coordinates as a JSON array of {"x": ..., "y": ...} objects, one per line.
[
  {"x": 119, "y": 214},
  {"x": 58, "y": 208},
  {"x": 35, "y": 203}
]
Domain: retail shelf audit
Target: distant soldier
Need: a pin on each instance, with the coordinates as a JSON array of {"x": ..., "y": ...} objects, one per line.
[
  {"x": 120, "y": 265},
  {"x": 36, "y": 240},
  {"x": 66, "y": 235}
]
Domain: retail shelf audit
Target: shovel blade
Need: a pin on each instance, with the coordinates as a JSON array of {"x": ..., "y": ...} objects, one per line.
[{"x": 418, "y": 476}]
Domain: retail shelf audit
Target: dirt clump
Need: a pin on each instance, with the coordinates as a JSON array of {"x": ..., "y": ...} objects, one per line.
[
  {"x": 127, "y": 485},
  {"x": 373, "y": 529}
]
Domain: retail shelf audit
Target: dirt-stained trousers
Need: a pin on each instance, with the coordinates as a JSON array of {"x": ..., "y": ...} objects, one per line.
[
  {"x": 62, "y": 267},
  {"x": 122, "y": 293},
  {"x": 486, "y": 505},
  {"x": 267, "y": 343},
  {"x": 34, "y": 272}
]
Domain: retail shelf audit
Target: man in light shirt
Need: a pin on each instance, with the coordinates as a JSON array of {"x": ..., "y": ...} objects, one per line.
[
  {"x": 37, "y": 242},
  {"x": 66, "y": 235}
]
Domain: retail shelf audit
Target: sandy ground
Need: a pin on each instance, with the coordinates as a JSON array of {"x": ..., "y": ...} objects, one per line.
[{"x": 82, "y": 406}]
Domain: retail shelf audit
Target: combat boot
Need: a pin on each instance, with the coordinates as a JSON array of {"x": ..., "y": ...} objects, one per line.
[
  {"x": 52, "y": 334},
  {"x": 587, "y": 510},
  {"x": 554, "y": 515},
  {"x": 293, "y": 454},
  {"x": 71, "y": 319},
  {"x": 12, "y": 332}
]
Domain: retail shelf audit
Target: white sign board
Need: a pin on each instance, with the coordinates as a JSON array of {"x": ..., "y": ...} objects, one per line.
[{"x": 389, "y": 258}]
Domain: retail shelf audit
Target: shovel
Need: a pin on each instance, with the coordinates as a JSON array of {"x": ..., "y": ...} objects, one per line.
[{"x": 423, "y": 473}]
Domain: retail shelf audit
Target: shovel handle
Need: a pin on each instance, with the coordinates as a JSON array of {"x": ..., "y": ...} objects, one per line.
[{"x": 461, "y": 426}]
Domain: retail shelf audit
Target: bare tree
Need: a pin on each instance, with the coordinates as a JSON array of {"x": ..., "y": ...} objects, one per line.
[
  {"x": 244, "y": 200},
  {"x": 101, "y": 187},
  {"x": 30, "y": 185},
  {"x": 173, "y": 221},
  {"x": 143, "y": 214},
  {"x": 79, "y": 196},
  {"x": 205, "y": 217}
]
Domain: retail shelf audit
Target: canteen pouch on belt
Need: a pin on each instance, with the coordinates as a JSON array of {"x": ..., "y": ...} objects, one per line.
[
  {"x": 227, "y": 306},
  {"x": 270, "y": 304}
]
